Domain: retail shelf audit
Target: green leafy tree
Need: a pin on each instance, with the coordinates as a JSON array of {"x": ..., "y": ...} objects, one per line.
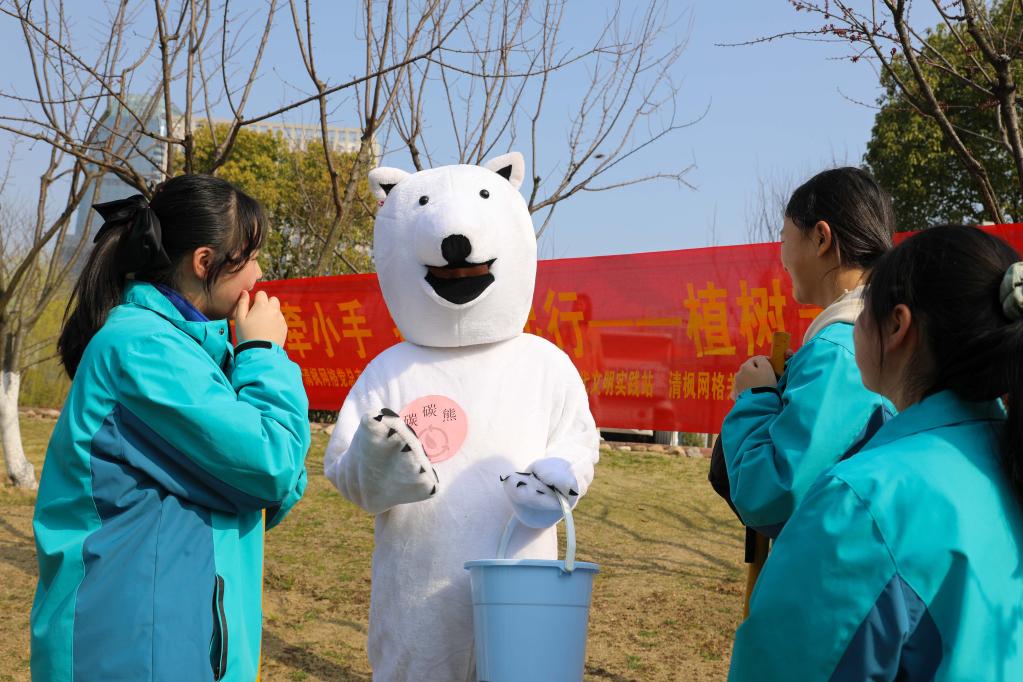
[
  {"x": 914, "y": 160},
  {"x": 294, "y": 188},
  {"x": 947, "y": 140}
]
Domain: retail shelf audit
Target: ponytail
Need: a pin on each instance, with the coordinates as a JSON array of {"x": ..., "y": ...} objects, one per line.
[
  {"x": 150, "y": 241},
  {"x": 99, "y": 288}
]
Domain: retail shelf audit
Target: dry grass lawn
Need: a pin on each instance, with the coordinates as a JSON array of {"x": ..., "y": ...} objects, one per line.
[{"x": 665, "y": 603}]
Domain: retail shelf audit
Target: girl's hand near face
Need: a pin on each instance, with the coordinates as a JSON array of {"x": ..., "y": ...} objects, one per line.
[
  {"x": 261, "y": 320},
  {"x": 756, "y": 371}
]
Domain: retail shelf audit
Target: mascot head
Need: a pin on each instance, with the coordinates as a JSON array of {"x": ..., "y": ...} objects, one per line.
[{"x": 455, "y": 252}]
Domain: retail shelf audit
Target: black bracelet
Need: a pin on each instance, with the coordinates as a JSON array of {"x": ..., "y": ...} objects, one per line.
[{"x": 257, "y": 343}]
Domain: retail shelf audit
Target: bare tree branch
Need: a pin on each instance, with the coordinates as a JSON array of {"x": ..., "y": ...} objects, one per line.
[
  {"x": 906, "y": 57},
  {"x": 496, "y": 78}
]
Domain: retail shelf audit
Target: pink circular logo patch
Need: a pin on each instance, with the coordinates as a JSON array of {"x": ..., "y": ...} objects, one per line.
[{"x": 440, "y": 423}]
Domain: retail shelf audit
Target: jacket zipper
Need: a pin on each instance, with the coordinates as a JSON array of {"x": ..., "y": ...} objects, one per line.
[{"x": 218, "y": 641}]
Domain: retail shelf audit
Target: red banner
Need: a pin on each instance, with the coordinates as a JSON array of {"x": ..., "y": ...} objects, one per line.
[{"x": 656, "y": 337}]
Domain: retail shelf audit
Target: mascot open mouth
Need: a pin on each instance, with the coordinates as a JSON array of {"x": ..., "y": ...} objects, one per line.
[{"x": 460, "y": 282}]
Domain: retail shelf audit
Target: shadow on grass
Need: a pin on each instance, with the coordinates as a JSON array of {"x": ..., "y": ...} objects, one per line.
[
  {"x": 302, "y": 659},
  {"x": 21, "y": 553},
  {"x": 607, "y": 674},
  {"x": 599, "y": 518}
]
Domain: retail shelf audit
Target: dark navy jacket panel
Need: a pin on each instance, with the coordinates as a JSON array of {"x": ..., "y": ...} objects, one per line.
[
  {"x": 898, "y": 640},
  {"x": 179, "y": 475}
]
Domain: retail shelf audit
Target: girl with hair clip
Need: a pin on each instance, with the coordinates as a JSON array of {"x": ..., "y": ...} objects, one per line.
[
  {"x": 783, "y": 432},
  {"x": 174, "y": 450},
  {"x": 905, "y": 561}
]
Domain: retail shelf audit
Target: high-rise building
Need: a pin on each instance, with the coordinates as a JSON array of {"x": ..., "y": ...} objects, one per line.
[{"x": 148, "y": 157}]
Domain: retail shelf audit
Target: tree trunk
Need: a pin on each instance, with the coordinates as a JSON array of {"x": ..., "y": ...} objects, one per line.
[
  {"x": 19, "y": 470},
  {"x": 343, "y": 206}
]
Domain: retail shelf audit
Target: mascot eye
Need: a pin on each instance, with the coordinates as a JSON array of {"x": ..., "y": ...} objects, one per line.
[
  {"x": 485, "y": 194},
  {"x": 424, "y": 200}
]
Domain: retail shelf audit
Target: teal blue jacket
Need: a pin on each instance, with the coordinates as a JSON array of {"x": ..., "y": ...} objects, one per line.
[
  {"x": 777, "y": 441},
  {"x": 150, "y": 516},
  {"x": 903, "y": 562}
]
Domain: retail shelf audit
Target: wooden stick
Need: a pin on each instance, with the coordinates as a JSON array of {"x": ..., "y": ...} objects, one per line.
[
  {"x": 760, "y": 549},
  {"x": 779, "y": 344},
  {"x": 757, "y": 545}
]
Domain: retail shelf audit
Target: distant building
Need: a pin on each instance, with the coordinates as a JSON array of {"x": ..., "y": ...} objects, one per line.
[
  {"x": 149, "y": 158},
  {"x": 299, "y": 135}
]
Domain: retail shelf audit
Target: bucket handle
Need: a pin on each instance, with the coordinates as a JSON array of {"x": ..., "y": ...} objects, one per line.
[{"x": 502, "y": 548}]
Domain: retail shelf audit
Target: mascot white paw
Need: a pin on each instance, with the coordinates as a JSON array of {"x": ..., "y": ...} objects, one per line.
[
  {"x": 395, "y": 462},
  {"x": 531, "y": 492}
]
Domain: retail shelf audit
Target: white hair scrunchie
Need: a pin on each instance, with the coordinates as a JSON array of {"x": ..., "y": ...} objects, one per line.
[{"x": 1011, "y": 292}]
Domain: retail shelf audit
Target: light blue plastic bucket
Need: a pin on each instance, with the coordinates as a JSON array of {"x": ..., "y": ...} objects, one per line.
[{"x": 530, "y": 615}]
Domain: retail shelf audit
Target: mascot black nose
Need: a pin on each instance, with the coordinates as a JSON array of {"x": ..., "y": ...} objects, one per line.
[{"x": 455, "y": 248}]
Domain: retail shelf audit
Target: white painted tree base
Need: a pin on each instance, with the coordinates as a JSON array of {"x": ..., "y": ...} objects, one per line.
[{"x": 19, "y": 470}]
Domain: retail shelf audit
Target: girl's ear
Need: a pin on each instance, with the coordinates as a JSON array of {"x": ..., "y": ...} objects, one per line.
[
  {"x": 201, "y": 260},
  {"x": 900, "y": 330},
  {"x": 823, "y": 239}
]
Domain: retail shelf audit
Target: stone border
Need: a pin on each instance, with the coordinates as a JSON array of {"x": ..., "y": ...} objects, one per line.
[{"x": 676, "y": 450}]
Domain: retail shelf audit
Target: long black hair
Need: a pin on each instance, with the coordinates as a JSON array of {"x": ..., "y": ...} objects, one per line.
[
  {"x": 189, "y": 211},
  {"x": 950, "y": 278},
  {"x": 856, "y": 208}
]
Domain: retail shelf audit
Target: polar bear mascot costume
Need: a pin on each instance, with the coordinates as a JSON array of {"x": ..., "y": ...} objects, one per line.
[{"x": 466, "y": 405}]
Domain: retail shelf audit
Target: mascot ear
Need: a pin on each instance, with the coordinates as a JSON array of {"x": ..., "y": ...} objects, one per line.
[
  {"x": 383, "y": 179},
  {"x": 510, "y": 166}
]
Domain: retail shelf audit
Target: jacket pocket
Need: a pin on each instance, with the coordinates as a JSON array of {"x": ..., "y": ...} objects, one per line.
[{"x": 218, "y": 642}]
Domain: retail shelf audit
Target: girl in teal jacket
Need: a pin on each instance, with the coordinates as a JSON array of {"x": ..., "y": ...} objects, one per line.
[
  {"x": 174, "y": 449},
  {"x": 783, "y": 432},
  {"x": 905, "y": 561}
]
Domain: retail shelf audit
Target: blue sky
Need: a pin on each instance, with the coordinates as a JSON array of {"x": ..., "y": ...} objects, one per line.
[{"x": 775, "y": 112}]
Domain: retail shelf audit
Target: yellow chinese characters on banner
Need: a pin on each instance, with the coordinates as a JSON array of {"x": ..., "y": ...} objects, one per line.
[
  {"x": 564, "y": 321},
  {"x": 628, "y": 383},
  {"x": 297, "y": 343},
  {"x": 331, "y": 377},
  {"x": 708, "y": 320},
  {"x": 724, "y": 326},
  {"x": 681, "y": 385},
  {"x": 700, "y": 385},
  {"x": 327, "y": 328},
  {"x": 656, "y": 337},
  {"x": 761, "y": 313}
]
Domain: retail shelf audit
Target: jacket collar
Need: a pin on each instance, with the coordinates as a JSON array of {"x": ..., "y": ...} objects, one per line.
[
  {"x": 941, "y": 409},
  {"x": 214, "y": 335},
  {"x": 845, "y": 309},
  {"x": 184, "y": 306}
]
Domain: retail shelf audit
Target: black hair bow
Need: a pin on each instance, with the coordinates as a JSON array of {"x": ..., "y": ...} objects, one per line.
[{"x": 140, "y": 245}]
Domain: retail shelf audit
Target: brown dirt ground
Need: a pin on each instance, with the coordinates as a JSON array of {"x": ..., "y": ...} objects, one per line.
[{"x": 665, "y": 604}]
